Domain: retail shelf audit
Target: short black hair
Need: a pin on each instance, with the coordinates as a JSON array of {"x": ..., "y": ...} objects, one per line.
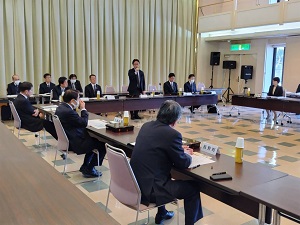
[
  {"x": 25, "y": 86},
  {"x": 72, "y": 75},
  {"x": 135, "y": 60},
  {"x": 169, "y": 112},
  {"x": 276, "y": 79},
  {"x": 171, "y": 75},
  {"x": 46, "y": 75},
  {"x": 62, "y": 80},
  {"x": 70, "y": 94},
  {"x": 92, "y": 75},
  {"x": 191, "y": 75}
]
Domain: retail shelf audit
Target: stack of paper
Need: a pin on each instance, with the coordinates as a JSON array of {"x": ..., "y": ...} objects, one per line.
[
  {"x": 98, "y": 124},
  {"x": 200, "y": 159}
]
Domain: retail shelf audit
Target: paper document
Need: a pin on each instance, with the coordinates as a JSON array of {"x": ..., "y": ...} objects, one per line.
[
  {"x": 12, "y": 96},
  {"x": 98, "y": 124},
  {"x": 199, "y": 160},
  {"x": 49, "y": 106}
]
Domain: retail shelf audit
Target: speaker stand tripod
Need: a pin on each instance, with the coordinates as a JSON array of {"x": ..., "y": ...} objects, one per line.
[
  {"x": 228, "y": 91},
  {"x": 212, "y": 77}
]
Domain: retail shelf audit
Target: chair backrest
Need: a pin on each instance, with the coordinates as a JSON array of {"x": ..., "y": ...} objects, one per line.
[
  {"x": 17, "y": 120},
  {"x": 109, "y": 89},
  {"x": 151, "y": 87},
  {"x": 63, "y": 141},
  {"x": 124, "y": 88},
  {"x": 123, "y": 184},
  {"x": 200, "y": 85}
]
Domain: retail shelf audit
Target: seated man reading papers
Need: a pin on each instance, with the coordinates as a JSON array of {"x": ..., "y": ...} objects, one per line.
[{"x": 152, "y": 160}]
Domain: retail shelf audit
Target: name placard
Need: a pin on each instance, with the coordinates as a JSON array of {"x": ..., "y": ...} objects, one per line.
[
  {"x": 118, "y": 120},
  {"x": 210, "y": 148}
]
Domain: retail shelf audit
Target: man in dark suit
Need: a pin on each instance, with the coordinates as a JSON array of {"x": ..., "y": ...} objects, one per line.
[
  {"x": 90, "y": 90},
  {"x": 136, "y": 84},
  {"x": 190, "y": 86},
  {"x": 13, "y": 87},
  {"x": 170, "y": 86},
  {"x": 275, "y": 90},
  {"x": 74, "y": 84},
  {"x": 46, "y": 86},
  {"x": 80, "y": 141},
  {"x": 60, "y": 88},
  {"x": 30, "y": 117},
  {"x": 152, "y": 160}
]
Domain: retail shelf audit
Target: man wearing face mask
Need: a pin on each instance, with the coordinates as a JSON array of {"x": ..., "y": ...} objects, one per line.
[
  {"x": 75, "y": 127},
  {"x": 31, "y": 118},
  {"x": 13, "y": 87},
  {"x": 74, "y": 84},
  {"x": 190, "y": 86}
]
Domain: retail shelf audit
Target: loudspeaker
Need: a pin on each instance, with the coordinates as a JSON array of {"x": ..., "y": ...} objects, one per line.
[
  {"x": 246, "y": 72},
  {"x": 215, "y": 58},
  {"x": 229, "y": 64}
]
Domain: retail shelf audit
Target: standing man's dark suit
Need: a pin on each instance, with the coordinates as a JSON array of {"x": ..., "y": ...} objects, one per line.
[
  {"x": 80, "y": 141},
  {"x": 278, "y": 91},
  {"x": 29, "y": 122},
  {"x": 168, "y": 90},
  {"x": 77, "y": 85},
  {"x": 90, "y": 92},
  {"x": 44, "y": 88},
  {"x": 56, "y": 91},
  {"x": 13, "y": 89},
  {"x": 136, "y": 87},
  {"x": 152, "y": 160}
]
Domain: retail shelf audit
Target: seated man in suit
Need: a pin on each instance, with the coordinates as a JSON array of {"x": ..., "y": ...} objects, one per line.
[
  {"x": 30, "y": 117},
  {"x": 60, "y": 88},
  {"x": 46, "y": 86},
  {"x": 80, "y": 140},
  {"x": 190, "y": 86},
  {"x": 170, "y": 86},
  {"x": 90, "y": 90},
  {"x": 74, "y": 84},
  {"x": 13, "y": 87},
  {"x": 152, "y": 160},
  {"x": 275, "y": 90}
]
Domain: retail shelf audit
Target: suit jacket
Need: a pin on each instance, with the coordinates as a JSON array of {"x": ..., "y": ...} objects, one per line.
[
  {"x": 133, "y": 82},
  {"x": 188, "y": 87},
  {"x": 153, "y": 158},
  {"x": 168, "y": 89},
  {"x": 75, "y": 127},
  {"x": 56, "y": 91},
  {"x": 298, "y": 89},
  {"x": 278, "y": 91},
  {"x": 89, "y": 92},
  {"x": 77, "y": 85},
  {"x": 45, "y": 89},
  {"x": 12, "y": 89},
  {"x": 25, "y": 111}
]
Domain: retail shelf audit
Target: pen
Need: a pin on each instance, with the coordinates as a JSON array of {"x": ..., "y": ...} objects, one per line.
[{"x": 219, "y": 173}]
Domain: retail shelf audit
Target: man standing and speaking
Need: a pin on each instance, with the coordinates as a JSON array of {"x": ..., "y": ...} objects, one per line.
[{"x": 136, "y": 84}]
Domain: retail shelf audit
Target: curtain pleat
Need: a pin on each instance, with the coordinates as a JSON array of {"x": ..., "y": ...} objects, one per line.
[{"x": 96, "y": 36}]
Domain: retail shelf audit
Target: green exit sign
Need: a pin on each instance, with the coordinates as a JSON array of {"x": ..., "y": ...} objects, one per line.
[{"x": 240, "y": 47}]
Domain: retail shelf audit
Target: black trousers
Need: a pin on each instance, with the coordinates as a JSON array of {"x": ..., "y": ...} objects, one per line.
[
  {"x": 189, "y": 191},
  {"x": 49, "y": 127}
]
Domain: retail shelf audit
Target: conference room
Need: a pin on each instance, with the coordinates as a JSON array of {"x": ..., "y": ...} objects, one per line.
[{"x": 149, "y": 112}]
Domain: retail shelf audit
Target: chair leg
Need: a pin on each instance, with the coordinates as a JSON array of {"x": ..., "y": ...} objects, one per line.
[
  {"x": 19, "y": 133},
  {"x": 45, "y": 142},
  {"x": 148, "y": 219},
  {"x": 177, "y": 212},
  {"x": 137, "y": 217},
  {"x": 66, "y": 158},
  {"x": 39, "y": 138},
  {"x": 55, "y": 158},
  {"x": 107, "y": 200}
]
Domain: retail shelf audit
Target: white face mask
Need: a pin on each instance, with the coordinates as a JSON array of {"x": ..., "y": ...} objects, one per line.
[
  {"x": 17, "y": 82},
  {"x": 192, "y": 81},
  {"x": 73, "y": 81},
  {"x": 75, "y": 106}
]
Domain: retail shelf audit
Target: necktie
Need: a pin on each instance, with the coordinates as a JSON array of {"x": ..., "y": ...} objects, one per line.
[
  {"x": 73, "y": 86},
  {"x": 172, "y": 86},
  {"x": 94, "y": 85},
  {"x": 138, "y": 80}
]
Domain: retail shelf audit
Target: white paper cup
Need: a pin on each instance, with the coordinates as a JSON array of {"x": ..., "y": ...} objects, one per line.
[
  {"x": 239, "y": 142},
  {"x": 126, "y": 114}
]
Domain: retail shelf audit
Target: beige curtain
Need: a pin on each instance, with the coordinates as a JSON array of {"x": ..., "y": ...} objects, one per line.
[{"x": 96, "y": 36}]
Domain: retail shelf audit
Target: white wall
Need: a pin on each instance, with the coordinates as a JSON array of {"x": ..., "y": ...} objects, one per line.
[{"x": 261, "y": 57}]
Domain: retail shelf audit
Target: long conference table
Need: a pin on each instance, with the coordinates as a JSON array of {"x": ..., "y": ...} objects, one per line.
[
  {"x": 283, "y": 104},
  {"x": 233, "y": 193},
  {"x": 34, "y": 193}
]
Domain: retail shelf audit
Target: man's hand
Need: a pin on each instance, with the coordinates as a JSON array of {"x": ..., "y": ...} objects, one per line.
[
  {"x": 187, "y": 149},
  {"x": 81, "y": 104},
  {"x": 137, "y": 69},
  {"x": 144, "y": 92},
  {"x": 36, "y": 113}
]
